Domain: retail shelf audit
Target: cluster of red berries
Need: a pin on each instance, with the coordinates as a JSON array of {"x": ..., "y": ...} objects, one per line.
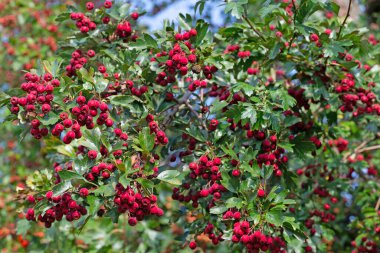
[
  {"x": 256, "y": 241},
  {"x": 340, "y": 143},
  {"x": 253, "y": 71},
  {"x": 102, "y": 170},
  {"x": 197, "y": 84},
  {"x": 161, "y": 137},
  {"x": 372, "y": 40},
  {"x": 208, "y": 170},
  {"x": 231, "y": 214},
  {"x": 270, "y": 154},
  {"x": 83, "y": 23},
  {"x": 83, "y": 114},
  {"x": 137, "y": 91},
  {"x": 244, "y": 54},
  {"x": 186, "y": 35},
  {"x": 124, "y": 30},
  {"x": 137, "y": 205},
  {"x": 37, "y": 102},
  {"x": 63, "y": 206},
  {"x": 178, "y": 62},
  {"x": 77, "y": 61},
  {"x": 356, "y": 98},
  {"x": 366, "y": 246},
  {"x": 210, "y": 232},
  {"x": 317, "y": 142},
  {"x": 231, "y": 48}
]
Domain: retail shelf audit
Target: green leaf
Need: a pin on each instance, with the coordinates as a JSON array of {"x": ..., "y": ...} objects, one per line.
[
  {"x": 94, "y": 203},
  {"x": 197, "y": 133},
  {"x": 49, "y": 119},
  {"x": 249, "y": 113},
  {"x": 68, "y": 175},
  {"x": 122, "y": 100},
  {"x": 291, "y": 120},
  {"x": 170, "y": 176},
  {"x": 124, "y": 180},
  {"x": 101, "y": 84},
  {"x": 22, "y": 227},
  {"x": 245, "y": 87},
  {"x": 150, "y": 41},
  {"x": 139, "y": 44},
  {"x": 202, "y": 29},
  {"x": 217, "y": 106},
  {"x": 234, "y": 203},
  {"x": 218, "y": 209},
  {"x": 145, "y": 140},
  {"x": 105, "y": 190},
  {"x": 232, "y": 184},
  {"x": 302, "y": 147},
  {"x": 60, "y": 188},
  {"x": 236, "y": 8},
  {"x": 274, "y": 216},
  {"x": 275, "y": 51}
]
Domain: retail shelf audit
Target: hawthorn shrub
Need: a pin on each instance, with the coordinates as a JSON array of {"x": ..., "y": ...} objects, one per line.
[{"x": 260, "y": 137}]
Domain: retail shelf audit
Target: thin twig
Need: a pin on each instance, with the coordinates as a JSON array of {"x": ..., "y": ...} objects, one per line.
[
  {"x": 377, "y": 204},
  {"x": 369, "y": 148},
  {"x": 170, "y": 114},
  {"x": 253, "y": 28},
  {"x": 345, "y": 20},
  {"x": 294, "y": 24},
  {"x": 197, "y": 115}
]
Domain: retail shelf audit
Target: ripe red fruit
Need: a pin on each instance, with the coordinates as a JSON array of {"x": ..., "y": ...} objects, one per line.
[
  {"x": 49, "y": 194},
  {"x": 132, "y": 221},
  {"x": 30, "y": 199},
  {"x": 314, "y": 37},
  {"x": 105, "y": 174},
  {"x": 134, "y": 15},
  {"x": 92, "y": 154},
  {"x": 235, "y": 173},
  {"x": 107, "y": 4},
  {"x": 237, "y": 215},
  {"x": 102, "y": 69},
  {"x": 193, "y": 32},
  {"x": 83, "y": 192},
  {"x": 252, "y": 71},
  {"x": 204, "y": 193},
  {"x": 90, "y": 53},
  {"x": 192, "y": 245},
  {"x": 260, "y": 193},
  {"x": 89, "y": 6}
]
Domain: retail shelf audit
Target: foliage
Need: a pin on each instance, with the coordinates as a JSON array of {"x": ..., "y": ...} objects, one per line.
[{"x": 262, "y": 136}]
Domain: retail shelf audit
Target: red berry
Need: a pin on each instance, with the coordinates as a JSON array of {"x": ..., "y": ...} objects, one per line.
[
  {"x": 260, "y": 193},
  {"x": 132, "y": 221},
  {"x": 107, "y": 4},
  {"x": 134, "y": 15},
  {"x": 92, "y": 154}
]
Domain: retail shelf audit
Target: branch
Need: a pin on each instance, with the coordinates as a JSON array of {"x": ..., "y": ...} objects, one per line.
[
  {"x": 369, "y": 148},
  {"x": 356, "y": 150},
  {"x": 253, "y": 28},
  {"x": 345, "y": 19},
  {"x": 169, "y": 116},
  {"x": 294, "y": 24},
  {"x": 199, "y": 117},
  {"x": 377, "y": 204}
]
